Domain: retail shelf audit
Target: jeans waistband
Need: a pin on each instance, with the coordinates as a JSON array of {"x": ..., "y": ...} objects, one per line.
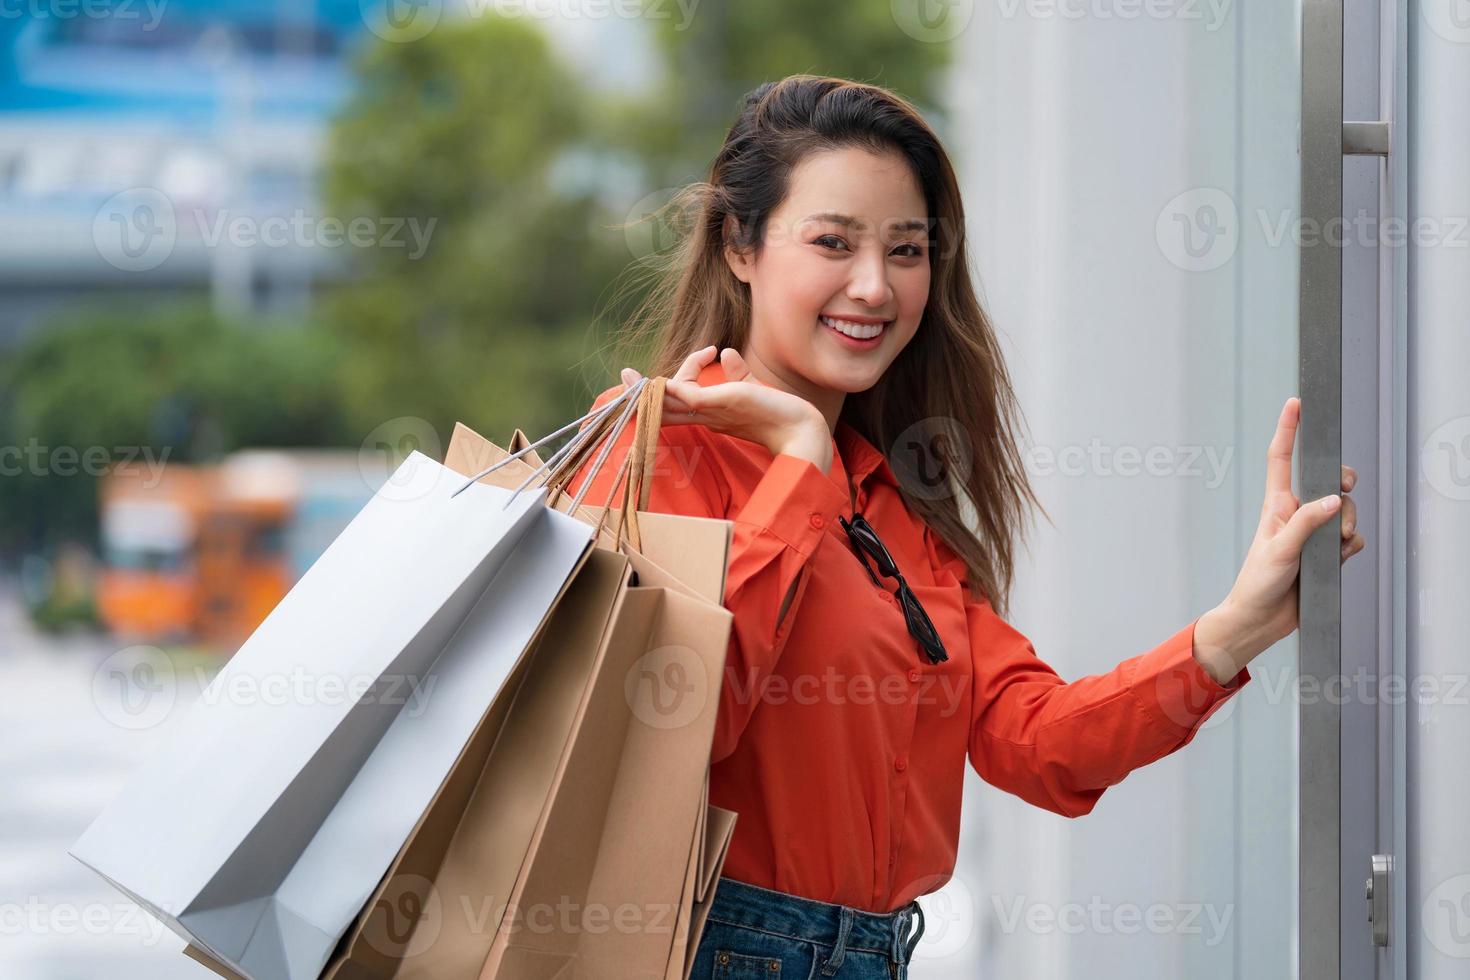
[{"x": 839, "y": 926}]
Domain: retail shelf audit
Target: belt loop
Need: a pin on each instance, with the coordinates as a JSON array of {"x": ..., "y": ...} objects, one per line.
[
  {"x": 911, "y": 942},
  {"x": 831, "y": 964}
]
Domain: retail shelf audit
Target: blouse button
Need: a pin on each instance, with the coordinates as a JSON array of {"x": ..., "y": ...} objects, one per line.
[
  {"x": 887, "y": 596},
  {"x": 901, "y": 763},
  {"x": 914, "y": 674},
  {"x": 817, "y": 521}
]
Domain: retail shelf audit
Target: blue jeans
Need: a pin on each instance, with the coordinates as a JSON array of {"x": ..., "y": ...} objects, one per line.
[{"x": 755, "y": 933}]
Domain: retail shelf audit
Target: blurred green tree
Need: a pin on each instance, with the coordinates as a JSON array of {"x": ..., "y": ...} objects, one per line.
[
  {"x": 725, "y": 48},
  {"x": 477, "y": 133},
  {"x": 181, "y": 382}
]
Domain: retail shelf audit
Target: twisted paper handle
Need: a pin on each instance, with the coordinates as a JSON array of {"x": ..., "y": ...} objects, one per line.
[{"x": 642, "y": 401}]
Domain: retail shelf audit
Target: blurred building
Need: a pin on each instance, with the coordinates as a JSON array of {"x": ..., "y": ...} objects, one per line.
[{"x": 133, "y": 136}]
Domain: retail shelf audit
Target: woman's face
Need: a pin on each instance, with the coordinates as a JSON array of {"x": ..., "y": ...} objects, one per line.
[{"x": 850, "y": 240}]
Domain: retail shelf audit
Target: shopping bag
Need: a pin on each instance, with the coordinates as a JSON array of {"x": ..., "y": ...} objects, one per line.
[
  {"x": 261, "y": 830},
  {"x": 508, "y": 804},
  {"x": 625, "y": 843}
]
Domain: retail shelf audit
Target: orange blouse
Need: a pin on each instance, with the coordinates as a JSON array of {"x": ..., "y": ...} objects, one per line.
[{"x": 840, "y": 746}]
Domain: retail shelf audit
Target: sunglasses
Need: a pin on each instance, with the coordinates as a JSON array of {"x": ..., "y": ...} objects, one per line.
[{"x": 867, "y": 544}]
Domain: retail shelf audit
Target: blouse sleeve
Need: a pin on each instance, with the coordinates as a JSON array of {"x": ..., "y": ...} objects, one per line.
[
  {"x": 776, "y": 532},
  {"x": 1058, "y": 745}
]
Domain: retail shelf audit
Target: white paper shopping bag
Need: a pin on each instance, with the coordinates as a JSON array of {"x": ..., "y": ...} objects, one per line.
[{"x": 262, "y": 829}]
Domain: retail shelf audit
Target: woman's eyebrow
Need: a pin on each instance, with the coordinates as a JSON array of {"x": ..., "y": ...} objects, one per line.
[{"x": 847, "y": 221}]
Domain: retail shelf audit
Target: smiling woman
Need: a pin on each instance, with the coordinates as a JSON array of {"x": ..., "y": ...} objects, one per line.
[{"x": 834, "y": 390}]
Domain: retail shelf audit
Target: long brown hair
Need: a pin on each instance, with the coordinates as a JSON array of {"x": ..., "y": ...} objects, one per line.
[{"x": 951, "y": 372}]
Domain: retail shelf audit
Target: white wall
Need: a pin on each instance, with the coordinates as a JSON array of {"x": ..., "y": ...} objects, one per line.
[{"x": 1074, "y": 137}]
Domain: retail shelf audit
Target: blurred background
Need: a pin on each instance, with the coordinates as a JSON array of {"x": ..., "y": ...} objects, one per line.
[{"x": 252, "y": 254}]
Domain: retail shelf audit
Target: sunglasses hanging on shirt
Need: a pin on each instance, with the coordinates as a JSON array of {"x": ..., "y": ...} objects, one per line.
[{"x": 866, "y": 542}]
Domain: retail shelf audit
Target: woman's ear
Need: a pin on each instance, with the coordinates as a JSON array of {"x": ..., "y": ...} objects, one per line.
[{"x": 740, "y": 261}]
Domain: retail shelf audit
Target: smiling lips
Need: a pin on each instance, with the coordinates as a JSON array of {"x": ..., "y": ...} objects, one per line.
[{"x": 858, "y": 328}]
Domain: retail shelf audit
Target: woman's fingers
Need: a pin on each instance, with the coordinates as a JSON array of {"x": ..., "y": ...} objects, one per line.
[
  {"x": 695, "y": 363},
  {"x": 1308, "y": 518},
  {"x": 1278, "y": 453},
  {"x": 735, "y": 367},
  {"x": 1349, "y": 516}
]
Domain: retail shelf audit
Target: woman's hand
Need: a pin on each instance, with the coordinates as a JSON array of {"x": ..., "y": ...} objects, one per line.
[
  {"x": 1262, "y": 605},
  {"x": 744, "y": 407}
]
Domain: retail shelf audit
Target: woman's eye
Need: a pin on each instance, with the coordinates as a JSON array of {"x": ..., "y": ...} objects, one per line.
[
  {"x": 915, "y": 251},
  {"x": 829, "y": 238}
]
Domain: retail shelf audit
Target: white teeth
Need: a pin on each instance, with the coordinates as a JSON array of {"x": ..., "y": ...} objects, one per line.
[{"x": 859, "y": 331}]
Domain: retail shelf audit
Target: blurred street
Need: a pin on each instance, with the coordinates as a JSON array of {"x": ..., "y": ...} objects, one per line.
[{"x": 66, "y": 746}]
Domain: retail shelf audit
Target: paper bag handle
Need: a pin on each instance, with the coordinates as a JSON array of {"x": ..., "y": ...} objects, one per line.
[{"x": 599, "y": 431}]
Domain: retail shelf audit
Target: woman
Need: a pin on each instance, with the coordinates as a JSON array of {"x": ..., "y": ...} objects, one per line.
[{"x": 820, "y": 309}]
